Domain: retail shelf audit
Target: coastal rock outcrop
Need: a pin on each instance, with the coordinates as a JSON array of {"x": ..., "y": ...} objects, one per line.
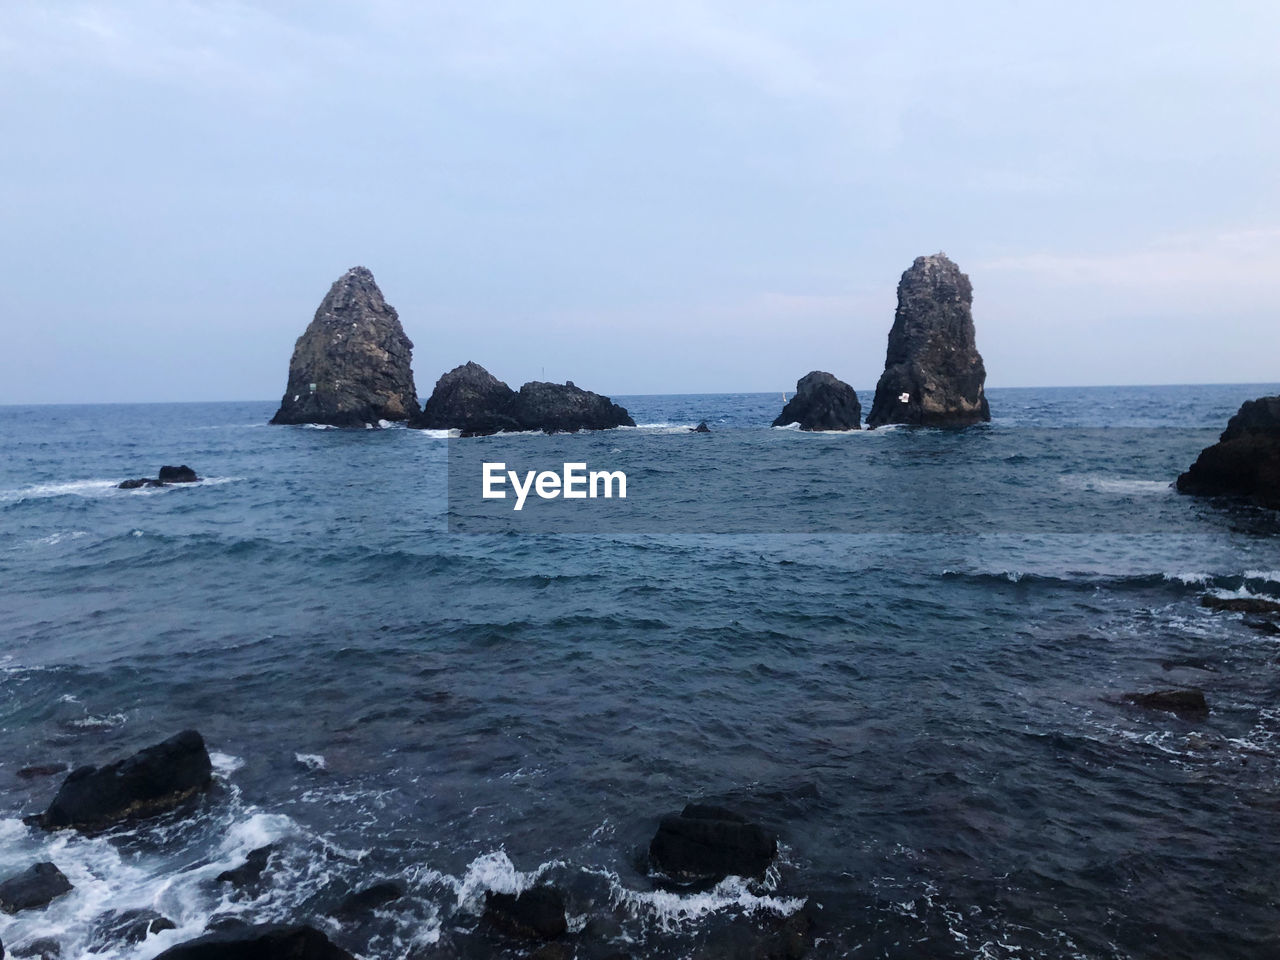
[
  {"x": 1245, "y": 462},
  {"x": 705, "y": 844},
  {"x": 37, "y": 886},
  {"x": 822, "y": 402},
  {"x": 168, "y": 475},
  {"x": 933, "y": 374},
  {"x": 472, "y": 400},
  {"x": 351, "y": 367},
  {"x": 259, "y": 942},
  {"x": 151, "y": 781}
]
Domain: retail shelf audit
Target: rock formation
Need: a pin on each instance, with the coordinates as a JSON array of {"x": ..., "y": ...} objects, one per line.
[
  {"x": 259, "y": 942},
  {"x": 933, "y": 374},
  {"x": 704, "y": 844},
  {"x": 700, "y": 428},
  {"x": 536, "y": 914},
  {"x": 37, "y": 886},
  {"x": 1245, "y": 462},
  {"x": 351, "y": 367},
  {"x": 822, "y": 402},
  {"x": 472, "y": 400},
  {"x": 168, "y": 475}
]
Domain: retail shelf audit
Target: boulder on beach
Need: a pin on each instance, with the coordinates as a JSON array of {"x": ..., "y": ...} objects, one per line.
[
  {"x": 168, "y": 475},
  {"x": 352, "y": 365},
  {"x": 1188, "y": 704},
  {"x": 151, "y": 781},
  {"x": 822, "y": 402},
  {"x": 1245, "y": 462},
  {"x": 933, "y": 374},
  {"x": 536, "y": 914},
  {"x": 704, "y": 844},
  {"x": 259, "y": 942},
  {"x": 37, "y": 886}
]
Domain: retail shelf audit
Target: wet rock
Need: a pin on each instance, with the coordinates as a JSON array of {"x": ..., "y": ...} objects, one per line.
[
  {"x": 151, "y": 781},
  {"x": 701, "y": 428},
  {"x": 127, "y": 926},
  {"x": 352, "y": 365},
  {"x": 536, "y": 914},
  {"x": 822, "y": 402},
  {"x": 1245, "y": 462},
  {"x": 37, "y": 886},
  {"x": 1189, "y": 704},
  {"x": 563, "y": 408},
  {"x": 251, "y": 870},
  {"x": 933, "y": 374},
  {"x": 1265, "y": 627},
  {"x": 1241, "y": 604},
  {"x": 41, "y": 770},
  {"x": 44, "y": 948},
  {"x": 259, "y": 942},
  {"x": 369, "y": 899},
  {"x": 552, "y": 951},
  {"x": 706, "y": 843},
  {"x": 168, "y": 475}
]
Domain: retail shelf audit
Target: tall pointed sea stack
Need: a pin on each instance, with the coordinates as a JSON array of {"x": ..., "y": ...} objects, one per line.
[
  {"x": 933, "y": 374},
  {"x": 351, "y": 367}
]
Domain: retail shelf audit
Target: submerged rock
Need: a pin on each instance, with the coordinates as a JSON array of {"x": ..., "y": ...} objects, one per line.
[
  {"x": 706, "y": 843},
  {"x": 701, "y": 428},
  {"x": 352, "y": 365},
  {"x": 259, "y": 942},
  {"x": 1184, "y": 703},
  {"x": 127, "y": 926},
  {"x": 933, "y": 374},
  {"x": 1245, "y": 462},
  {"x": 536, "y": 914},
  {"x": 822, "y": 402},
  {"x": 41, "y": 770},
  {"x": 1240, "y": 604},
  {"x": 37, "y": 886},
  {"x": 251, "y": 870},
  {"x": 168, "y": 475},
  {"x": 370, "y": 898},
  {"x": 149, "y": 782}
]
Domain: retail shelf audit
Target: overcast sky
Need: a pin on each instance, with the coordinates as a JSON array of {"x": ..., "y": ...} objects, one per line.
[{"x": 644, "y": 197}]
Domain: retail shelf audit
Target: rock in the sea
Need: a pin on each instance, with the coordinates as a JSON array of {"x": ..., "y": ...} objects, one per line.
[
  {"x": 351, "y": 367},
  {"x": 536, "y": 914},
  {"x": 1240, "y": 604},
  {"x": 369, "y": 899},
  {"x": 933, "y": 374},
  {"x": 470, "y": 399},
  {"x": 42, "y": 948},
  {"x": 822, "y": 402},
  {"x": 1245, "y": 462},
  {"x": 127, "y": 926},
  {"x": 41, "y": 770},
  {"x": 37, "y": 886},
  {"x": 1184, "y": 703},
  {"x": 168, "y": 475},
  {"x": 251, "y": 870},
  {"x": 701, "y": 428},
  {"x": 151, "y": 781},
  {"x": 706, "y": 844},
  {"x": 259, "y": 942}
]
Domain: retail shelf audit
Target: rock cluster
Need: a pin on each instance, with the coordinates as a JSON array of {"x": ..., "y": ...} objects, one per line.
[
  {"x": 1245, "y": 462},
  {"x": 37, "y": 886},
  {"x": 822, "y": 402},
  {"x": 933, "y": 374},
  {"x": 472, "y": 400},
  {"x": 1188, "y": 704},
  {"x": 168, "y": 475},
  {"x": 352, "y": 365}
]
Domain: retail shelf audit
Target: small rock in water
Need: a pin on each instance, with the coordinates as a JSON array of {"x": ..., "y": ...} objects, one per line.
[
  {"x": 127, "y": 926},
  {"x": 704, "y": 844},
  {"x": 1262, "y": 626},
  {"x": 249, "y": 871},
  {"x": 536, "y": 914},
  {"x": 1184, "y": 703},
  {"x": 822, "y": 402},
  {"x": 259, "y": 942},
  {"x": 370, "y": 898},
  {"x": 41, "y": 770},
  {"x": 168, "y": 475},
  {"x": 37, "y": 886},
  {"x": 701, "y": 428},
  {"x": 1240, "y": 604},
  {"x": 44, "y": 948}
]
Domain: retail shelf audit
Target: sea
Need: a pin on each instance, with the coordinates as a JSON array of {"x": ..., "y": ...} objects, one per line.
[{"x": 910, "y": 664}]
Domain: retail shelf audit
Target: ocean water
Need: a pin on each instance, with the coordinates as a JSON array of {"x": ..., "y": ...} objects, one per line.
[{"x": 927, "y": 712}]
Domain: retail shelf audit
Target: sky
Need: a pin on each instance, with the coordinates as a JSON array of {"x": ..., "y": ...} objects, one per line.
[{"x": 659, "y": 196}]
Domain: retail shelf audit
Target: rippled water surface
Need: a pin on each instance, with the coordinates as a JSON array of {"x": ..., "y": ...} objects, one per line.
[{"x": 931, "y": 721}]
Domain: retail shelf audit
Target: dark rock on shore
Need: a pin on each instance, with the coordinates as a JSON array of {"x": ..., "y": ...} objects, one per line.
[
  {"x": 1241, "y": 604},
  {"x": 1245, "y": 462},
  {"x": 706, "y": 843},
  {"x": 37, "y": 886},
  {"x": 701, "y": 428},
  {"x": 251, "y": 870},
  {"x": 260, "y": 942},
  {"x": 127, "y": 926},
  {"x": 370, "y": 898},
  {"x": 470, "y": 399},
  {"x": 822, "y": 402},
  {"x": 1189, "y": 704},
  {"x": 536, "y": 914},
  {"x": 151, "y": 781},
  {"x": 168, "y": 475},
  {"x": 933, "y": 374},
  {"x": 352, "y": 365}
]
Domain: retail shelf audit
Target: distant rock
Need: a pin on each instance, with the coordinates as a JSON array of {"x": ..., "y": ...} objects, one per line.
[
  {"x": 822, "y": 402},
  {"x": 700, "y": 428},
  {"x": 1240, "y": 604},
  {"x": 168, "y": 475},
  {"x": 258, "y": 942},
  {"x": 1245, "y": 462},
  {"x": 149, "y": 782},
  {"x": 37, "y": 886},
  {"x": 1188, "y": 704},
  {"x": 352, "y": 365},
  {"x": 705, "y": 844},
  {"x": 41, "y": 770},
  {"x": 536, "y": 914},
  {"x": 476, "y": 403},
  {"x": 933, "y": 374}
]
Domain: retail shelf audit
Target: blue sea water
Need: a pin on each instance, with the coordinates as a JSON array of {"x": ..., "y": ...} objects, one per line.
[{"x": 928, "y": 713}]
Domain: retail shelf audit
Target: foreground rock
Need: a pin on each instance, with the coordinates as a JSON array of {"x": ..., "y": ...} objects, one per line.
[
  {"x": 168, "y": 475},
  {"x": 37, "y": 886},
  {"x": 1245, "y": 462},
  {"x": 706, "y": 844},
  {"x": 822, "y": 402},
  {"x": 1240, "y": 604},
  {"x": 933, "y": 374},
  {"x": 149, "y": 782},
  {"x": 536, "y": 914},
  {"x": 352, "y": 365},
  {"x": 471, "y": 400},
  {"x": 261, "y": 942},
  {"x": 1188, "y": 704}
]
